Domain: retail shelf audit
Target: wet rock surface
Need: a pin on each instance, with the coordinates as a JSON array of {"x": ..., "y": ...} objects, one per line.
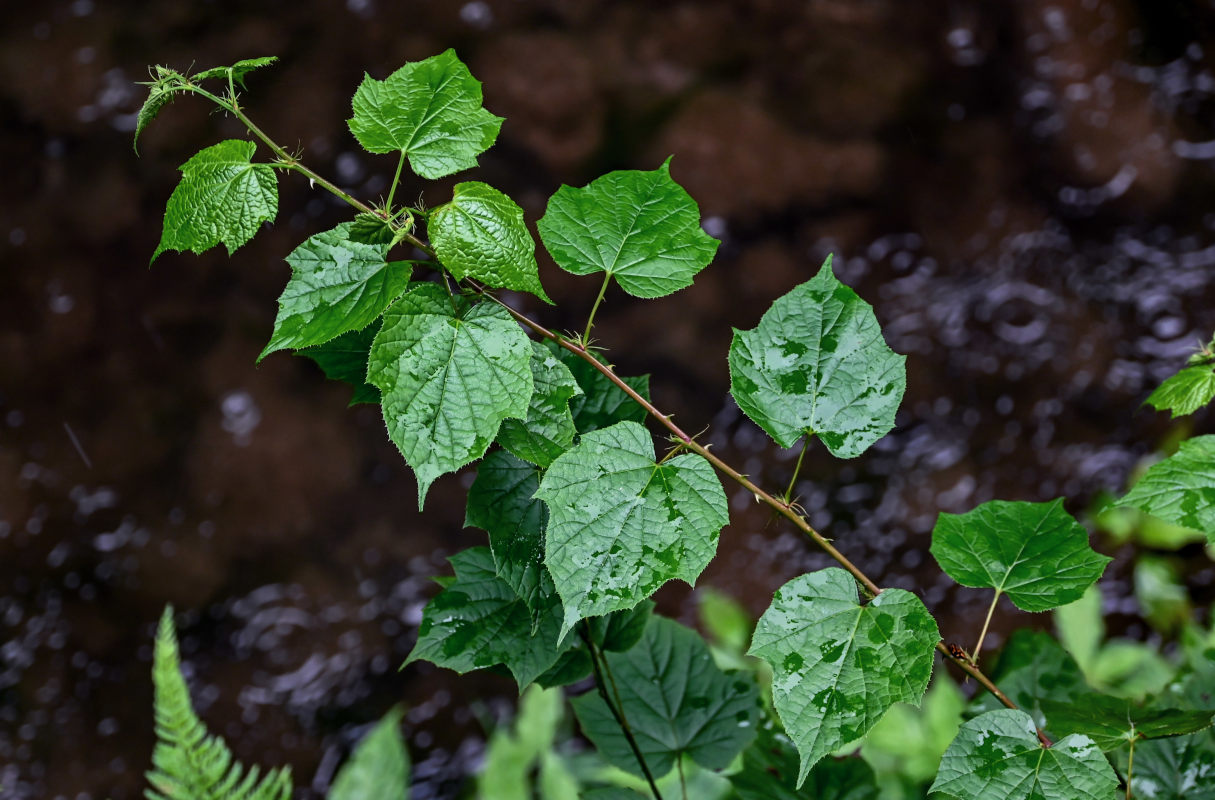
[{"x": 1021, "y": 190}]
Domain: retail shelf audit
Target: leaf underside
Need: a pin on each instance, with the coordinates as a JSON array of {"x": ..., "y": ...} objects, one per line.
[
  {"x": 676, "y": 700},
  {"x": 345, "y": 359}
]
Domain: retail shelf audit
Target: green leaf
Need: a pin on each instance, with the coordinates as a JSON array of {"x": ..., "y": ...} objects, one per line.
[
  {"x": 620, "y": 630},
  {"x": 188, "y": 763},
  {"x": 238, "y": 70},
  {"x": 676, "y": 701},
  {"x": 641, "y": 227},
  {"x": 1036, "y": 553},
  {"x": 500, "y": 502},
  {"x": 602, "y": 403},
  {"x": 1180, "y": 489},
  {"x": 572, "y": 665},
  {"x": 1112, "y": 722},
  {"x": 369, "y": 228},
  {"x": 379, "y": 766},
  {"x": 1032, "y": 669},
  {"x": 548, "y": 431},
  {"x": 817, "y": 365},
  {"x": 1181, "y": 768},
  {"x": 429, "y": 110},
  {"x": 449, "y": 376},
  {"x": 1186, "y": 392},
  {"x": 769, "y": 772},
  {"x": 481, "y": 234},
  {"x": 620, "y": 525},
  {"x": 839, "y": 666},
  {"x": 222, "y": 197},
  {"x": 478, "y": 621},
  {"x": 726, "y": 622},
  {"x": 998, "y": 757},
  {"x": 337, "y": 285},
  {"x": 345, "y": 359}
]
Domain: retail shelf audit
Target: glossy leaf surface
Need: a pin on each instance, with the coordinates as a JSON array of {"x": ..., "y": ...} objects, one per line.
[
  {"x": 448, "y": 377},
  {"x": 480, "y": 234},
  {"x": 337, "y": 285},
  {"x": 621, "y": 525},
  {"x": 838, "y": 665},
  {"x": 429, "y": 110},
  {"x": 222, "y": 197},
  {"x": 817, "y": 365}
]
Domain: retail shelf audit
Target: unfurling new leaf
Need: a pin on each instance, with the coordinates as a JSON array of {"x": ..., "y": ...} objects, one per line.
[
  {"x": 1036, "y": 553},
  {"x": 640, "y": 227},
  {"x": 621, "y": 525},
  {"x": 816, "y": 365},
  {"x": 222, "y": 197},
  {"x": 429, "y": 110},
  {"x": 839, "y": 666},
  {"x": 448, "y": 376}
]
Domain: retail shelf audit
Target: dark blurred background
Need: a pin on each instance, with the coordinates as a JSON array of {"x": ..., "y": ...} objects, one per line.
[{"x": 1022, "y": 189}]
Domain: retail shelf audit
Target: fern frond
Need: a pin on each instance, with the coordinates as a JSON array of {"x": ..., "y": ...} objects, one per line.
[{"x": 189, "y": 764}]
